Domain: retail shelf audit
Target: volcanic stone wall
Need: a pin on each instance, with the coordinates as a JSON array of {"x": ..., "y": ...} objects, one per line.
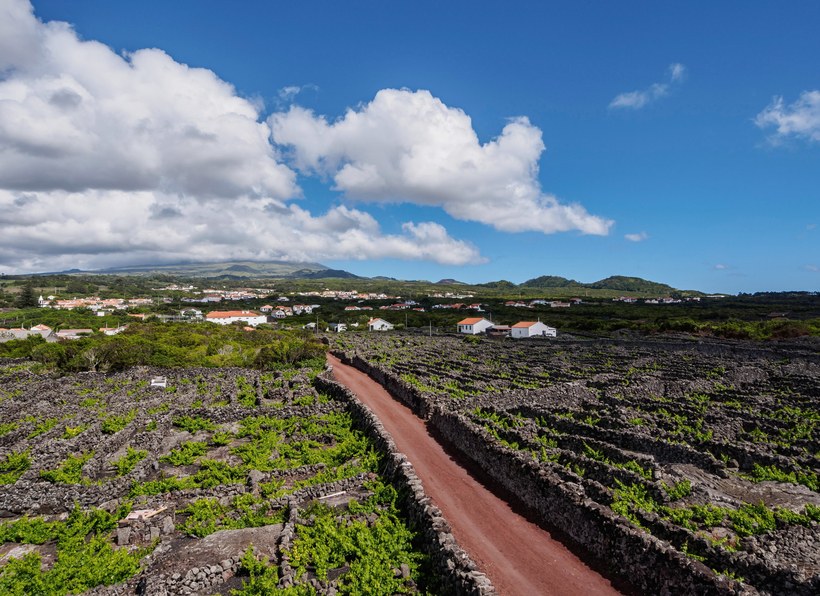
[
  {"x": 650, "y": 565},
  {"x": 456, "y": 571}
]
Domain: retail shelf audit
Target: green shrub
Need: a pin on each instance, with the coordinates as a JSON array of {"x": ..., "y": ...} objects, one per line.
[
  {"x": 85, "y": 555},
  {"x": 70, "y": 472},
  {"x": 127, "y": 462},
  {"x": 679, "y": 490},
  {"x": 72, "y": 431},
  {"x": 185, "y": 454},
  {"x": 13, "y": 466},
  {"x": 193, "y": 423},
  {"x": 114, "y": 423}
]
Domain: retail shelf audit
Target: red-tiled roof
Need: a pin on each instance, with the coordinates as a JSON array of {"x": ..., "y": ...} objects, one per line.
[
  {"x": 471, "y": 321},
  {"x": 225, "y": 314},
  {"x": 524, "y": 324}
]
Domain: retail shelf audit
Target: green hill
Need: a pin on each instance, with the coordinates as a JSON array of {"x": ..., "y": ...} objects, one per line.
[{"x": 631, "y": 284}]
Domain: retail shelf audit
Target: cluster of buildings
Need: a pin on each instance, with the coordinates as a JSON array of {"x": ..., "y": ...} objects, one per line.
[
  {"x": 212, "y": 295},
  {"x": 542, "y": 302},
  {"x": 663, "y": 300},
  {"x": 50, "y": 335},
  {"x": 406, "y": 305},
  {"x": 282, "y": 312},
  {"x": 523, "y": 329},
  {"x": 100, "y": 306},
  {"x": 451, "y": 295},
  {"x": 349, "y": 295}
]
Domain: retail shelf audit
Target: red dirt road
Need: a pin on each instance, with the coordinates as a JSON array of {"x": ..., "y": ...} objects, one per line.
[{"x": 518, "y": 556}]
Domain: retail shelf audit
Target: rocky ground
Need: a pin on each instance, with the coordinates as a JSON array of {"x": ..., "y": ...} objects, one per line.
[
  {"x": 221, "y": 480},
  {"x": 711, "y": 447}
]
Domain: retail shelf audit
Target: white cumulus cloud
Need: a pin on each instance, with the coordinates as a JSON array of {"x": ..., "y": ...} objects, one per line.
[
  {"x": 637, "y": 237},
  {"x": 636, "y": 100},
  {"x": 408, "y": 146},
  {"x": 800, "y": 118},
  {"x": 98, "y": 228},
  {"x": 112, "y": 159}
]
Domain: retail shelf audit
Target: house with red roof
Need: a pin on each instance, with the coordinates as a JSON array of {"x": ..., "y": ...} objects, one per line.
[
  {"x": 474, "y": 325},
  {"x": 226, "y": 317},
  {"x": 377, "y": 324}
]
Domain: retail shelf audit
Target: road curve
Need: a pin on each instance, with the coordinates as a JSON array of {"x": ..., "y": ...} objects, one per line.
[{"x": 518, "y": 556}]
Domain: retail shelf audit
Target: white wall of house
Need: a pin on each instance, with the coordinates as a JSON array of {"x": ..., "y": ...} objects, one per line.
[
  {"x": 538, "y": 329},
  {"x": 379, "y": 325},
  {"x": 475, "y": 328},
  {"x": 252, "y": 320}
]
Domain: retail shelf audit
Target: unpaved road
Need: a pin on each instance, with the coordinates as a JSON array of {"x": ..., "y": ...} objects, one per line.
[{"x": 518, "y": 556}]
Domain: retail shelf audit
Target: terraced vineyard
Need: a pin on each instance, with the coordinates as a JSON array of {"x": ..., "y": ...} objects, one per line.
[
  {"x": 227, "y": 481},
  {"x": 705, "y": 454}
]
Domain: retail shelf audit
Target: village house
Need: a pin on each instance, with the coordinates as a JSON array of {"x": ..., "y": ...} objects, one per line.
[
  {"x": 113, "y": 330},
  {"x": 516, "y": 304},
  {"x": 379, "y": 325},
  {"x": 532, "y": 329},
  {"x": 226, "y": 317},
  {"x": 73, "y": 333},
  {"x": 474, "y": 326},
  {"x": 43, "y": 331}
]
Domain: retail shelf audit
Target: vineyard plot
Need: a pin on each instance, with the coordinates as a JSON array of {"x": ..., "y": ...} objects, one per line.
[
  {"x": 710, "y": 447},
  {"x": 225, "y": 481}
]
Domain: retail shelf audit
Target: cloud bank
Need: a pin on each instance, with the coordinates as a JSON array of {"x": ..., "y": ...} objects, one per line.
[
  {"x": 800, "y": 119},
  {"x": 113, "y": 159},
  {"x": 408, "y": 146},
  {"x": 110, "y": 159},
  {"x": 635, "y": 100}
]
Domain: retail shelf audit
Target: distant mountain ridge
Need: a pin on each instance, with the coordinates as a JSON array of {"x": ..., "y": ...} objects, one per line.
[
  {"x": 229, "y": 270},
  {"x": 620, "y": 283},
  {"x": 240, "y": 270}
]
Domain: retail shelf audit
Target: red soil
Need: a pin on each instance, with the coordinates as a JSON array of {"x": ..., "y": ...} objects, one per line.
[{"x": 518, "y": 556}]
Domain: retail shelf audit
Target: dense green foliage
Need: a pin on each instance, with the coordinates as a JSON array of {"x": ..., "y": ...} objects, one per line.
[
  {"x": 127, "y": 462},
  {"x": 371, "y": 551},
  {"x": 206, "y": 516},
  {"x": 85, "y": 555},
  {"x": 13, "y": 466},
  {"x": 70, "y": 471},
  {"x": 173, "y": 345}
]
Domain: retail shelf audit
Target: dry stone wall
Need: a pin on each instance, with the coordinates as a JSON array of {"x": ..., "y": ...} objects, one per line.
[
  {"x": 650, "y": 564},
  {"x": 457, "y": 572}
]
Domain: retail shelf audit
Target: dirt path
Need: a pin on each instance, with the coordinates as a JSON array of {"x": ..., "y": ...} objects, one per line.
[{"x": 518, "y": 556}]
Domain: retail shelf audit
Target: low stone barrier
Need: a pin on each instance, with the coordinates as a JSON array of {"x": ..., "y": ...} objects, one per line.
[
  {"x": 454, "y": 568},
  {"x": 650, "y": 565}
]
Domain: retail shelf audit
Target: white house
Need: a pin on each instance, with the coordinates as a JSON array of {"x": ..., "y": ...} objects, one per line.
[
  {"x": 474, "y": 326},
  {"x": 226, "y": 317},
  {"x": 530, "y": 329},
  {"x": 379, "y": 325},
  {"x": 113, "y": 330}
]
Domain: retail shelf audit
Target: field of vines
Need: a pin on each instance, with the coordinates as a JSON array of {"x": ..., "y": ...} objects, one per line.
[
  {"x": 712, "y": 447},
  {"x": 226, "y": 481}
]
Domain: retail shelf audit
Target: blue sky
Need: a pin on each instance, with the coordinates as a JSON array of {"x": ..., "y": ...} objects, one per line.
[{"x": 474, "y": 140}]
